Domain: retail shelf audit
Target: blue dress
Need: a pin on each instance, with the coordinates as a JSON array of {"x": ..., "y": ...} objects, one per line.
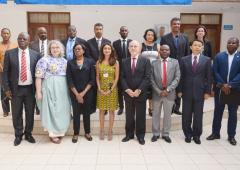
[{"x": 55, "y": 106}]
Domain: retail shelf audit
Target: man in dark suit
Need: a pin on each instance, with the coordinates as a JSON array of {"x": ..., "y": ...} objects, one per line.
[
  {"x": 71, "y": 40},
  {"x": 40, "y": 45},
  {"x": 135, "y": 78},
  {"x": 194, "y": 87},
  {"x": 121, "y": 48},
  {"x": 95, "y": 43},
  {"x": 18, "y": 84},
  {"x": 179, "y": 47},
  {"x": 226, "y": 70}
]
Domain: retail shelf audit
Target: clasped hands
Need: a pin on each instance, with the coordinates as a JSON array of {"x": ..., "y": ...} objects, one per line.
[
  {"x": 135, "y": 93},
  {"x": 226, "y": 89},
  {"x": 164, "y": 93},
  {"x": 79, "y": 97},
  {"x": 105, "y": 92}
]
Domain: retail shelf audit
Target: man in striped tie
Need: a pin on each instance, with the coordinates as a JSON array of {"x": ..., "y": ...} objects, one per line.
[{"x": 18, "y": 84}]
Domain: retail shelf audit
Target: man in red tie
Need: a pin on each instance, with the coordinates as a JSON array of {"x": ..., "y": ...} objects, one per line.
[
  {"x": 135, "y": 79},
  {"x": 18, "y": 84},
  {"x": 194, "y": 87},
  {"x": 165, "y": 78}
]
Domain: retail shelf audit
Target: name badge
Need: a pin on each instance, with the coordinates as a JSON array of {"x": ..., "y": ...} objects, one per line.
[{"x": 105, "y": 75}]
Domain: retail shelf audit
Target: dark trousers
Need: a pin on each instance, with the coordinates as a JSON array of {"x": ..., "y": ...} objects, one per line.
[
  {"x": 177, "y": 104},
  {"x": 5, "y": 102},
  {"x": 120, "y": 97},
  {"x": 24, "y": 97},
  {"x": 192, "y": 117},
  {"x": 218, "y": 114},
  {"x": 138, "y": 109},
  {"x": 76, "y": 119}
]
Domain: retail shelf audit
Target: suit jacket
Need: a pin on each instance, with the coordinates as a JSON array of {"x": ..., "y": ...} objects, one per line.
[
  {"x": 183, "y": 45},
  {"x": 34, "y": 45},
  {"x": 78, "y": 40},
  {"x": 220, "y": 70},
  {"x": 118, "y": 48},
  {"x": 195, "y": 85},
  {"x": 139, "y": 80},
  {"x": 11, "y": 69},
  {"x": 173, "y": 78},
  {"x": 93, "y": 47}
]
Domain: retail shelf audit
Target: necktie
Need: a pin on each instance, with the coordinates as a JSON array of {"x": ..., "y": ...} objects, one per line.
[
  {"x": 194, "y": 65},
  {"x": 42, "y": 49},
  {"x": 124, "y": 48},
  {"x": 133, "y": 67},
  {"x": 164, "y": 79},
  {"x": 23, "y": 73}
]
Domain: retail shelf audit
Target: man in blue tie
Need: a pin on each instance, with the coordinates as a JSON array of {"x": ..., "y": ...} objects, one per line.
[{"x": 226, "y": 69}]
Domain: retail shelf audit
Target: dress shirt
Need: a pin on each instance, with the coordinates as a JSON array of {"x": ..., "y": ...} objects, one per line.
[
  {"x": 69, "y": 49},
  {"x": 197, "y": 58},
  {"x": 136, "y": 59},
  {"x": 99, "y": 41},
  {"x": 230, "y": 60},
  {"x": 45, "y": 47},
  {"x": 29, "y": 80}
]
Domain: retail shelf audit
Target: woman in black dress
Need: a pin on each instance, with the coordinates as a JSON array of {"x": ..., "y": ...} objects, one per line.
[
  {"x": 200, "y": 34},
  {"x": 81, "y": 79}
]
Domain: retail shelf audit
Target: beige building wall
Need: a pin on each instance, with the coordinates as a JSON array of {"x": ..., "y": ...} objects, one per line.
[{"x": 137, "y": 18}]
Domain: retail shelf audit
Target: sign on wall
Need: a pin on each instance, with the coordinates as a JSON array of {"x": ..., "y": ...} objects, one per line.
[{"x": 106, "y": 2}]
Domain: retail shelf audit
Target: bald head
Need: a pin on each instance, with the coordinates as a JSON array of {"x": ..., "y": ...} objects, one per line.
[
  {"x": 164, "y": 51},
  {"x": 23, "y": 40},
  {"x": 42, "y": 33},
  {"x": 123, "y": 32},
  {"x": 232, "y": 44},
  {"x": 72, "y": 31}
]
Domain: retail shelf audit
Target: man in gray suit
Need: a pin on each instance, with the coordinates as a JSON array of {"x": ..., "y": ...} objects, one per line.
[{"x": 165, "y": 78}]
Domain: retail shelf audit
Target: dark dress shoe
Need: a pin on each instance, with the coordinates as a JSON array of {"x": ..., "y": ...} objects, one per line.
[
  {"x": 37, "y": 112},
  {"x": 127, "y": 138},
  {"x": 177, "y": 112},
  {"x": 30, "y": 139},
  {"x": 167, "y": 139},
  {"x": 74, "y": 138},
  {"x": 106, "y": 112},
  {"x": 213, "y": 136},
  {"x": 188, "y": 139},
  {"x": 197, "y": 140},
  {"x": 17, "y": 141},
  {"x": 141, "y": 141},
  {"x": 154, "y": 138},
  {"x": 120, "y": 111},
  {"x": 232, "y": 141},
  {"x": 5, "y": 114},
  {"x": 88, "y": 137},
  {"x": 150, "y": 112}
]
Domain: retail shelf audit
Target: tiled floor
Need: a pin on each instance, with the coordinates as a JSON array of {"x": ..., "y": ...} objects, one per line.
[{"x": 115, "y": 155}]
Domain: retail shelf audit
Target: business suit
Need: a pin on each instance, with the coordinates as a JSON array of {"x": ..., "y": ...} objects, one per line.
[
  {"x": 177, "y": 52},
  {"x": 193, "y": 85},
  {"x": 173, "y": 78},
  {"x": 220, "y": 70},
  {"x": 93, "y": 47},
  {"x": 140, "y": 79},
  {"x": 21, "y": 95},
  {"x": 34, "y": 45},
  {"x": 120, "y": 57},
  {"x": 80, "y": 41}
]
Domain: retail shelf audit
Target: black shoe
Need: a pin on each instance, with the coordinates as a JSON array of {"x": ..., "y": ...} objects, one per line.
[
  {"x": 150, "y": 112},
  {"x": 188, "y": 139},
  {"x": 197, "y": 140},
  {"x": 127, "y": 138},
  {"x": 5, "y": 114},
  {"x": 177, "y": 112},
  {"x": 167, "y": 139},
  {"x": 30, "y": 139},
  {"x": 37, "y": 112},
  {"x": 120, "y": 111},
  {"x": 213, "y": 136},
  {"x": 232, "y": 141},
  {"x": 141, "y": 141},
  {"x": 154, "y": 138},
  {"x": 74, "y": 138},
  {"x": 106, "y": 112},
  {"x": 17, "y": 141}
]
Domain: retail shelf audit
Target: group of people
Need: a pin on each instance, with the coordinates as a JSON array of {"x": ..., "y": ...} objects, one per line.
[{"x": 74, "y": 77}]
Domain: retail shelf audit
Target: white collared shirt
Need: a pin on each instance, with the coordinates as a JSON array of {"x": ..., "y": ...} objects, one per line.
[
  {"x": 162, "y": 65},
  {"x": 99, "y": 41},
  {"x": 121, "y": 39},
  {"x": 197, "y": 58},
  {"x": 29, "y": 80},
  {"x": 136, "y": 59},
  {"x": 45, "y": 47},
  {"x": 230, "y": 60}
]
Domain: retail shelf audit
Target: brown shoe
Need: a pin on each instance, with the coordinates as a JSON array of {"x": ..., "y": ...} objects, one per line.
[
  {"x": 5, "y": 114},
  {"x": 88, "y": 137}
]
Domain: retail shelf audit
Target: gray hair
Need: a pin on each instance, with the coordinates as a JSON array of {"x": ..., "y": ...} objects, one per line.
[{"x": 59, "y": 44}]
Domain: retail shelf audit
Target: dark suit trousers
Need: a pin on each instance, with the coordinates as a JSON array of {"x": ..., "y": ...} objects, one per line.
[
  {"x": 24, "y": 97},
  {"x": 177, "y": 103},
  {"x": 76, "y": 119},
  {"x": 120, "y": 96},
  {"x": 218, "y": 114},
  {"x": 192, "y": 117},
  {"x": 138, "y": 109},
  {"x": 5, "y": 102}
]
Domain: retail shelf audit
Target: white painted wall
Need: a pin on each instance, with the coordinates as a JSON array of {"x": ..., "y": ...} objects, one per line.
[{"x": 137, "y": 18}]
